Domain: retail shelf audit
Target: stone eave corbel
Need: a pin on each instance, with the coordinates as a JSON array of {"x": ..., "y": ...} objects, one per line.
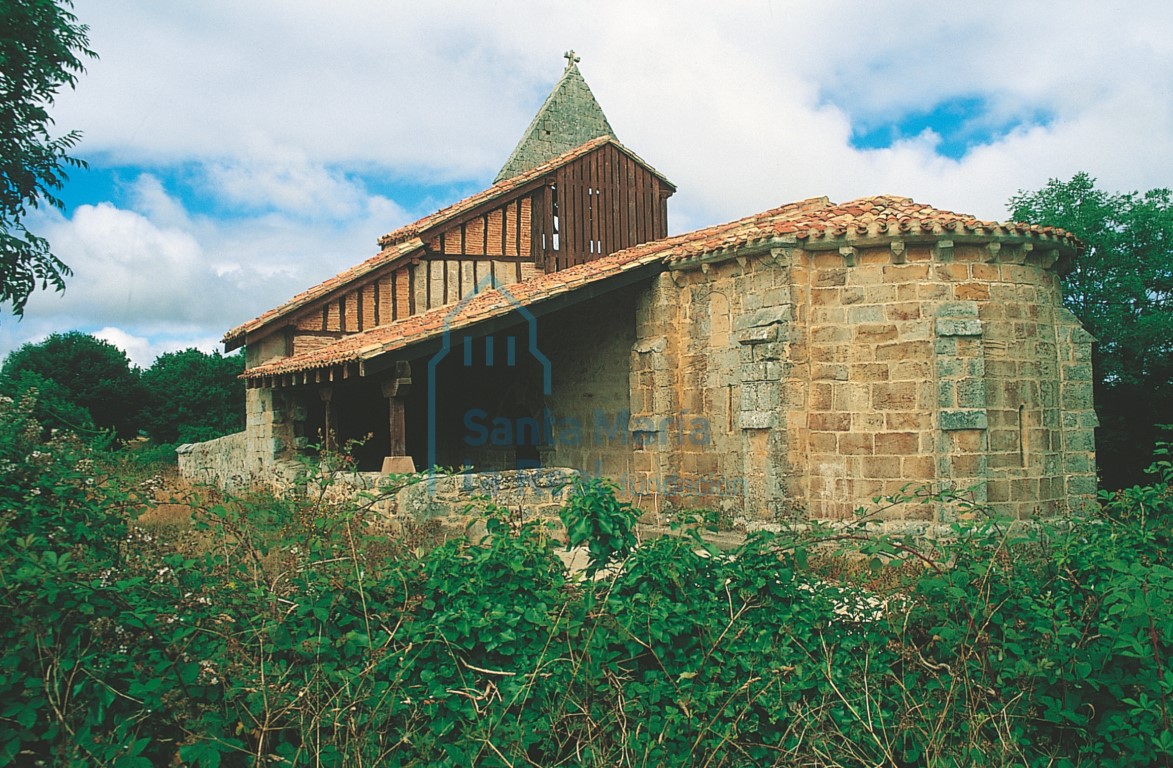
[
  {"x": 899, "y": 251},
  {"x": 1049, "y": 253},
  {"x": 759, "y": 249},
  {"x": 1047, "y": 257},
  {"x": 783, "y": 254},
  {"x": 1019, "y": 249},
  {"x": 906, "y": 240},
  {"x": 1066, "y": 261}
]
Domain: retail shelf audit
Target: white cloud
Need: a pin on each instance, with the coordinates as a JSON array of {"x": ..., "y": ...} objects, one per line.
[
  {"x": 267, "y": 177},
  {"x": 155, "y": 277},
  {"x": 128, "y": 268},
  {"x": 746, "y": 104},
  {"x": 142, "y": 350},
  {"x": 278, "y": 110},
  {"x": 150, "y": 199},
  {"x": 137, "y": 348}
]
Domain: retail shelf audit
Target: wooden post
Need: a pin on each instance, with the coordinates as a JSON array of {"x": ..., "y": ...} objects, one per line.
[
  {"x": 327, "y": 393},
  {"x": 395, "y": 389}
]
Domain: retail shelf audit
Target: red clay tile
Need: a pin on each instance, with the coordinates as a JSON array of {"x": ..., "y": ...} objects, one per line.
[{"x": 810, "y": 220}]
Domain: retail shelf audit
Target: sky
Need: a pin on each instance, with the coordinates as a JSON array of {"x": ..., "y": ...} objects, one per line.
[{"x": 241, "y": 152}]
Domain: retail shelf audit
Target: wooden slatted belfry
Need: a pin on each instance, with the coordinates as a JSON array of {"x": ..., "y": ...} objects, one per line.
[
  {"x": 599, "y": 204},
  {"x": 570, "y": 193}
]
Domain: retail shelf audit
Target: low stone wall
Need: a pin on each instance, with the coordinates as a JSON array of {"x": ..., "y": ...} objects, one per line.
[
  {"x": 232, "y": 463},
  {"x": 457, "y": 501},
  {"x": 539, "y": 492}
]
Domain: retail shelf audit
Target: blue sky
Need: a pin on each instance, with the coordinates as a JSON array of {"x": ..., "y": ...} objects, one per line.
[
  {"x": 957, "y": 124},
  {"x": 241, "y": 152},
  {"x": 116, "y": 183}
]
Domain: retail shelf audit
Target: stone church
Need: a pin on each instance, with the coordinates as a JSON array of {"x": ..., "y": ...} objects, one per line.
[{"x": 803, "y": 360}]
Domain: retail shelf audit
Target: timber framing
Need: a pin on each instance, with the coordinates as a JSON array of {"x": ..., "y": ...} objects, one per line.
[{"x": 594, "y": 200}]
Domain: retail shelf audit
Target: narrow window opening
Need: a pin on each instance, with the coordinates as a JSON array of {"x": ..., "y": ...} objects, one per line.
[
  {"x": 554, "y": 206},
  {"x": 1022, "y": 436}
]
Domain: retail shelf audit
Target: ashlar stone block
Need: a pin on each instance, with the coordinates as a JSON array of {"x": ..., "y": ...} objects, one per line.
[
  {"x": 757, "y": 420},
  {"x": 947, "y": 326},
  {"x": 952, "y": 419},
  {"x": 957, "y": 309}
]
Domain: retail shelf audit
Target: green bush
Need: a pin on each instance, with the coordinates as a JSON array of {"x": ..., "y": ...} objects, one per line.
[
  {"x": 595, "y": 519},
  {"x": 91, "y": 383},
  {"x": 192, "y": 396},
  {"x": 293, "y": 632}
]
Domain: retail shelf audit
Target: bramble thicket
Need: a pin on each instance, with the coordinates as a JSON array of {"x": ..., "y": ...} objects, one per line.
[{"x": 262, "y": 631}]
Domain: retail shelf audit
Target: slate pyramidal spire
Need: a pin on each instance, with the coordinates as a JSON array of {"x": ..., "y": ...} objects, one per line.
[{"x": 569, "y": 118}]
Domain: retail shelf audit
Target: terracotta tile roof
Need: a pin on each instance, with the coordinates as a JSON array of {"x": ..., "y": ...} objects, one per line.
[
  {"x": 898, "y": 216},
  {"x": 807, "y": 220},
  {"x": 819, "y": 219},
  {"x": 235, "y": 337},
  {"x": 408, "y": 238},
  {"x": 485, "y": 305},
  {"x": 730, "y": 235}
]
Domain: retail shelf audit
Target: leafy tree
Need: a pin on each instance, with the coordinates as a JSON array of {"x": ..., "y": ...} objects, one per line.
[
  {"x": 83, "y": 376},
  {"x": 1121, "y": 289},
  {"x": 193, "y": 396},
  {"x": 53, "y": 406},
  {"x": 40, "y": 45}
]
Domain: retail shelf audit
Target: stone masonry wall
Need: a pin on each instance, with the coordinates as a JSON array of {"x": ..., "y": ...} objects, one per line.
[
  {"x": 257, "y": 457},
  {"x": 709, "y": 389},
  {"x": 869, "y": 357},
  {"x": 590, "y": 404},
  {"x": 1077, "y": 412},
  {"x": 831, "y": 377},
  {"x": 268, "y": 348},
  {"x": 938, "y": 364},
  {"x": 784, "y": 381},
  {"x": 461, "y": 499}
]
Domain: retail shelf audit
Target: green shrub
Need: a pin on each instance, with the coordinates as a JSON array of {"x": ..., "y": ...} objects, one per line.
[
  {"x": 293, "y": 632},
  {"x": 594, "y": 518},
  {"x": 91, "y": 382}
]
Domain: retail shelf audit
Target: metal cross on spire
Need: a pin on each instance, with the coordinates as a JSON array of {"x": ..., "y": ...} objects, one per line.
[{"x": 571, "y": 59}]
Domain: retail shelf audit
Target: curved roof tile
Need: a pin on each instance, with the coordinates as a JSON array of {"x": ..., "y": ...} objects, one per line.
[{"x": 807, "y": 220}]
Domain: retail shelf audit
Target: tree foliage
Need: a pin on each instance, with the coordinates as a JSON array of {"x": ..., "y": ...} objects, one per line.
[
  {"x": 85, "y": 385},
  {"x": 193, "y": 396},
  {"x": 81, "y": 372},
  {"x": 41, "y": 43},
  {"x": 1121, "y": 289}
]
